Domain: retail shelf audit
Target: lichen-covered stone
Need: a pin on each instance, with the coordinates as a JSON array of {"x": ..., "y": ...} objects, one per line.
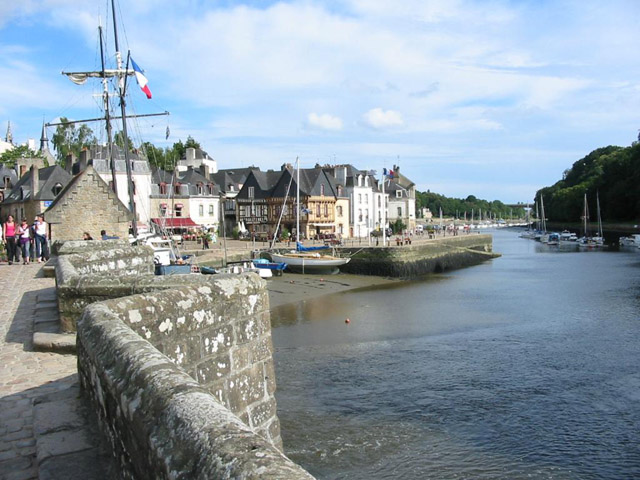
[{"x": 163, "y": 423}]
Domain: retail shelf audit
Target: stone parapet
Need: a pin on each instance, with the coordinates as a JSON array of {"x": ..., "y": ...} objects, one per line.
[
  {"x": 174, "y": 374},
  {"x": 420, "y": 258}
]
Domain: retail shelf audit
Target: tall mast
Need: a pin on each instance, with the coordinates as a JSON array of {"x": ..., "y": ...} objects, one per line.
[
  {"x": 105, "y": 87},
  {"x": 122, "y": 85},
  {"x": 298, "y": 200}
]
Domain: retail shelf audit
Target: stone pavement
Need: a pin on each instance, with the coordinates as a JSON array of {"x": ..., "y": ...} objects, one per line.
[{"x": 46, "y": 428}]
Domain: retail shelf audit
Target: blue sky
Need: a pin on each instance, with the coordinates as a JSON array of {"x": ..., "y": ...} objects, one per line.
[{"x": 487, "y": 98}]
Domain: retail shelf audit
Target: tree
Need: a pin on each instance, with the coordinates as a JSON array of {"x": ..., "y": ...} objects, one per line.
[
  {"x": 118, "y": 139},
  {"x": 69, "y": 140},
  {"x": 10, "y": 157}
]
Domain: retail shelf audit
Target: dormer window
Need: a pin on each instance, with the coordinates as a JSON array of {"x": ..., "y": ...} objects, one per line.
[
  {"x": 57, "y": 188},
  {"x": 322, "y": 190},
  {"x": 163, "y": 188},
  {"x": 252, "y": 192},
  {"x": 398, "y": 193},
  {"x": 200, "y": 189}
]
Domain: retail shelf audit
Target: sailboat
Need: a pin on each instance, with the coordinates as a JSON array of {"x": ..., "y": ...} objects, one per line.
[
  {"x": 588, "y": 241},
  {"x": 120, "y": 75},
  {"x": 306, "y": 259}
]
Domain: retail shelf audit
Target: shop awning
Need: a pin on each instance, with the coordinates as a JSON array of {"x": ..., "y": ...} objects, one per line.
[{"x": 179, "y": 222}]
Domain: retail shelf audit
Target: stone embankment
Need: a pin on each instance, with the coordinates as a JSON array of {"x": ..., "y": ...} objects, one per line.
[
  {"x": 420, "y": 257},
  {"x": 181, "y": 379}
]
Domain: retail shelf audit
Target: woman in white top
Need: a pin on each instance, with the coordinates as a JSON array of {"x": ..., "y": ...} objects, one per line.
[{"x": 40, "y": 234}]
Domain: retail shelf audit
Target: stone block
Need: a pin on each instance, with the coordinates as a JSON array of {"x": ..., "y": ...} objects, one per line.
[
  {"x": 213, "y": 368},
  {"x": 62, "y": 443}
]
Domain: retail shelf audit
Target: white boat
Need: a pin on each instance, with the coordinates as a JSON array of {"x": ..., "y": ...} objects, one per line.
[
  {"x": 630, "y": 241},
  {"x": 310, "y": 259},
  {"x": 309, "y": 262},
  {"x": 588, "y": 241}
]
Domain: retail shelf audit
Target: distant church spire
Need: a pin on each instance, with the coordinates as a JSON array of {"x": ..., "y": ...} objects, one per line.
[
  {"x": 9, "y": 137},
  {"x": 44, "y": 141}
]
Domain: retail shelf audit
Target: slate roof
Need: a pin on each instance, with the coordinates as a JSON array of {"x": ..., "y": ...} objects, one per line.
[
  {"x": 49, "y": 177},
  {"x": 7, "y": 172}
]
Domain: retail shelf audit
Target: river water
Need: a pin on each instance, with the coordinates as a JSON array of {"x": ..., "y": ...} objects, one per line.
[{"x": 526, "y": 366}]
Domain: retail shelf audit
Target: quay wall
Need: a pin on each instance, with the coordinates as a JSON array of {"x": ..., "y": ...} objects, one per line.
[
  {"x": 420, "y": 258},
  {"x": 179, "y": 368},
  {"x": 183, "y": 382}
]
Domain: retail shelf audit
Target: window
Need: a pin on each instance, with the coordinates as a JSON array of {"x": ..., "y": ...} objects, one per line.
[
  {"x": 322, "y": 190},
  {"x": 366, "y": 198},
  {"x": 201, "y": 210},
  {"x": 176, "y": 189},
  {"x": 400, "y": 211},
  {"x": 398, "y": 193},
  {"x": 200, "y": 189},
  {"x": 379, "y": 202},
  {"x": 339, "y": 210},
  {"x": 211, "y": 210},
  {"x": 163, "y": 189},
  {"x": 359, "y": 198},
  {"x": 7, "y": 183},
  {"x": 178, "y": 209},
  {"x": 57, "y": 188},
  {"x": 252, "y": 192},
  {"x": 318, "y": 209},
  {"x": 163, "y": 209},
  {"x": 326, "y": 210},
  {"x": 360, "y": 215}
]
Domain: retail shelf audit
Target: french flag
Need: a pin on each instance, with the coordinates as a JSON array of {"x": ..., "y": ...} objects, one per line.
[{"x": 141, "y": 79}]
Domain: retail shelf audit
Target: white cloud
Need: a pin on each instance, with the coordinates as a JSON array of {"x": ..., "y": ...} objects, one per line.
[
  {"x": 378, "y": 118},
  {"x": 324, "y": 121}
]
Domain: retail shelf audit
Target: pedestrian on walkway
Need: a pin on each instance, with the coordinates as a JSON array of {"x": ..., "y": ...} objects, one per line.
[
  {"x": 40, "y": 237},
  {"x": 9, "y": 233},
  {"x": 24, "y": 233}
]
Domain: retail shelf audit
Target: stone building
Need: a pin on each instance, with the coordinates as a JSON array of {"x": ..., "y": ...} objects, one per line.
[
  {"x": 87, "y": 204},
  {"x": 360, "y": 187},
  {"x": 99, "y": 156},
  {"x": 184, "y": 199},
  {"x": 402, "y": 199},
  {"x": 34, "y": 192}
]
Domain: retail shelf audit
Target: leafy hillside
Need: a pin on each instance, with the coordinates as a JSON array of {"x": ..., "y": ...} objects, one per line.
[
  {"x": 457, "y": 206},
  {"x": 612, "y": 172}
]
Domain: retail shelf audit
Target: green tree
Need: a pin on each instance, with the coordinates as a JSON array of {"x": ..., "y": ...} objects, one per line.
[
  {"x": 71, "y": 140},
  {"x": 118, "y": 139},
  {"x": 10, "y": 157}
]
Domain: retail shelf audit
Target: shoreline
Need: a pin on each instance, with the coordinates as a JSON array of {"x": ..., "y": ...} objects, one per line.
[{"x": 295, "y": 287}]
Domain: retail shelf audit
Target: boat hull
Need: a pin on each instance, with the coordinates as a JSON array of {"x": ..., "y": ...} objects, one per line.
[{"x": 310, "y": 263}]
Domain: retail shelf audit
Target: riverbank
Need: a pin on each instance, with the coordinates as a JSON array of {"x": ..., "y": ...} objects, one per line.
[{"x": 295, "y": 287}]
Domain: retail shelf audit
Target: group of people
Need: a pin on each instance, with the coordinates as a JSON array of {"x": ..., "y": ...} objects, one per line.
[{"x": 27, "y": 242}]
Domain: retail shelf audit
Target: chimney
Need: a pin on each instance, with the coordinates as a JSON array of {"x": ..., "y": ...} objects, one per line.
[
  {"x": 82, "y": 163},
  {"x": 205, "y": 171},
  {"x": 35, "y": 181},
  {"x": 70, "y": 160},
  {"x": 191, "y": 154}
]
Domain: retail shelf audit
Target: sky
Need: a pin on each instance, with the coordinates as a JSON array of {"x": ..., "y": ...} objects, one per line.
[{"x": 492, "y": 98}]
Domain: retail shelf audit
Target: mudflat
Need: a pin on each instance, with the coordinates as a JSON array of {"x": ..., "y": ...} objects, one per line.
[{"x": 295, "y": 287}]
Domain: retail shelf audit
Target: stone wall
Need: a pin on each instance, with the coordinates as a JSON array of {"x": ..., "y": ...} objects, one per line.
[
  {"x": 87, "y": 204},
  {"x": 421, "y": 259},
  {"x": 134, "y": 354}
]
